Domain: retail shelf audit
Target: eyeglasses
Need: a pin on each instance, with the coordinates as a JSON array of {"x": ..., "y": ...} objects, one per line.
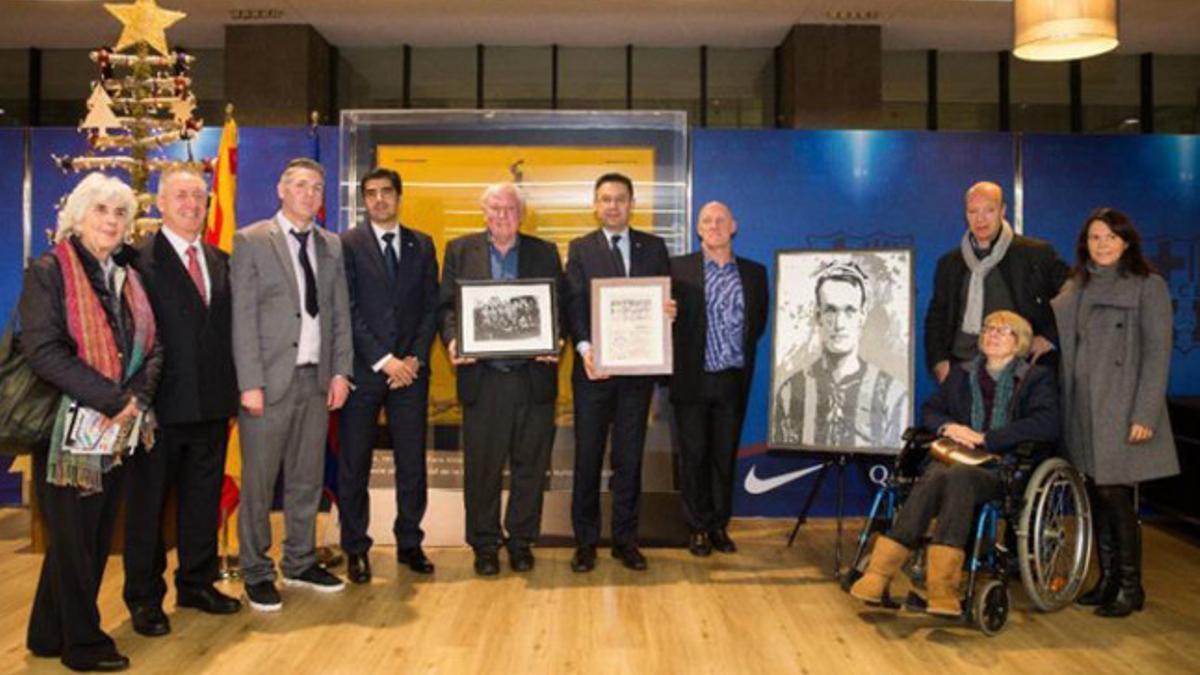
[{"x": 1002, "y": 331}]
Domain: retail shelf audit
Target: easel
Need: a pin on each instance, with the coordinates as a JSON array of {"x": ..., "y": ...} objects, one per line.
[{"x": 839, "y": 461}]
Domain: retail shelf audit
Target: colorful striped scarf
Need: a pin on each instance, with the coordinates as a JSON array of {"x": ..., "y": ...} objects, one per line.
[{"x": 96, "y": 346}]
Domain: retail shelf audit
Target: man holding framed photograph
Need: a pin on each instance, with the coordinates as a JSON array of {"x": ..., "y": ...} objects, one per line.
[
  {"x": 507, "y": 402},
  {"x": 621, "y": 403}
]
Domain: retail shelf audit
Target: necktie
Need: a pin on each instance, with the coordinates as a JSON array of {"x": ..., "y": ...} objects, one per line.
[
  {"x": 193, "y": 268},
  {"x": 389, "y": 255},
  {"x": 310, "y": 279},
  {"x": 618, "y": 259}
]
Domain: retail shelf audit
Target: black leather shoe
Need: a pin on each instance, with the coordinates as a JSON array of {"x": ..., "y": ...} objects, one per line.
[
  {"x": 520, "y": 558},
  {"x": 206, "y": 599},
  {"x": 721, "y": 541},
  {"x": 45, "y": 652},
  {"x": 150, "y": 621},
  {"x": 630, "y": 557},
  {"x": 358, "y": 568},
  {"x": 415, "y": 559},
  {"x": 584, "y": 559},
  {"x": 699, "y": 545},
  {"x": 487, "y": 563},
  {"x": 105, "y": 664}
]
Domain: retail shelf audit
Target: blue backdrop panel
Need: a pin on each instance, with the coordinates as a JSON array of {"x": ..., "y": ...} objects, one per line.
[
  {"x": 834, "y": 189},
  {"x": 12, "y": 145},
  {"x": 788, "y": 189},
  {"x": 1151, "y": 178}
]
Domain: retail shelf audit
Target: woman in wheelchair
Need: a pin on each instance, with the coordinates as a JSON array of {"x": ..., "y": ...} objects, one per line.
[
  {"x": 1114, "y": 323},
  {"x": 995, "y": 402}
]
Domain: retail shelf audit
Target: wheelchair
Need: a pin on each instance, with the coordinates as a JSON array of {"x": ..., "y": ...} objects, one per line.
[{"x": 1046, "y": 538}]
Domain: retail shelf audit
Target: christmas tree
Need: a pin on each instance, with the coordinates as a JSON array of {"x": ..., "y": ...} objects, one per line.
[{"x": 141, "y": 103}]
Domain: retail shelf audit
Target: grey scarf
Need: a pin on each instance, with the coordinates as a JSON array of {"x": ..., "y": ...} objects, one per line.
[{"x": 972, "y": 321}]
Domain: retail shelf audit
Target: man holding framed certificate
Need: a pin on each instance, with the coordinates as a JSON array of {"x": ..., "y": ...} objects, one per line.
[
  {"x": 604, "y": 401},
  {"x": 503, "y": 285}
]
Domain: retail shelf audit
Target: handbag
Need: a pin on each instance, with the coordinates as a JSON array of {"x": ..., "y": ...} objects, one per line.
[
  {"x": 27, "y": 402},
  {"x": 952, "y": 452}
]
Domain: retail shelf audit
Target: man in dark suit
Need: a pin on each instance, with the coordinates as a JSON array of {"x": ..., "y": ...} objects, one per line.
[
  {"x": 508, "y": 403},
  {"x": 722, "y": 311},
  {"x": 293, "y": 349},
  {"x": 391, "y": 274},
  {"x": 187, "y": 281},
  {"x": 603, "y": 402}
]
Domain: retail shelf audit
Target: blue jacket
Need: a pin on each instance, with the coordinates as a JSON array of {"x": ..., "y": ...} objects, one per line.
[{"x": 1034, "y": 415}]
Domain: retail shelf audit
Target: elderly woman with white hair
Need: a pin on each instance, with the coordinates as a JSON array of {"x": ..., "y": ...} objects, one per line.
[
  {"x": 996, "y": 402},
  {"x": 87, "y": 329}
]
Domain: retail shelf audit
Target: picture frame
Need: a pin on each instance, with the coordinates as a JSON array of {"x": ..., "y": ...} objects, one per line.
[
  {"x": 842, "y": 350},
  {"x": 511, "y": 318},
  {"x": 631, "y": 334}
]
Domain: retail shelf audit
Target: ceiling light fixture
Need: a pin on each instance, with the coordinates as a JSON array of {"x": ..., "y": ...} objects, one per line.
[{"x": 1063, "y": 30}]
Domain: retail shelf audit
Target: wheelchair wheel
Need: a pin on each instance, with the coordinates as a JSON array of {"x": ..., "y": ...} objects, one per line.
[
  {"x": 991, "y": 607},
  {"x": 1054, "y": 535}
]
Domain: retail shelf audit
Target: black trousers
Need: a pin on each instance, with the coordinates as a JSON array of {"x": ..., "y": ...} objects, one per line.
[
  {"x": 622, "y": 405},
  {"x": 707, "y": 430},
  {"x": 407, "y": 410},
  {"x": 951, "y": 493},
  {"x": 190, "y": 458},
  {"x": 65, "y": 619},
  {"x": 503, "y": 425}
]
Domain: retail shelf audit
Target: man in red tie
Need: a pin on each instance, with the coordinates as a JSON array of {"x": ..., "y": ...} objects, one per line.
[{"x": 187, "y": 281}]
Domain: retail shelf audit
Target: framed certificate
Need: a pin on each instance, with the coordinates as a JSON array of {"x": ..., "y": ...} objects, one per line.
[
  {"x": 631, "y": 334},
  {"x": 505, "y": 319}
]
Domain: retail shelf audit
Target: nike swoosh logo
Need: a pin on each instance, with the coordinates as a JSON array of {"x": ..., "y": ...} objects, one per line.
[{"x": 756, "y": 486}]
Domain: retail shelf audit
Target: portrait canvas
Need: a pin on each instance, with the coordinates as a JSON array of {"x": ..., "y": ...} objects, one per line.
[
  {"x": 842, "y": 350},
  {"x": 507, "y": 318}
]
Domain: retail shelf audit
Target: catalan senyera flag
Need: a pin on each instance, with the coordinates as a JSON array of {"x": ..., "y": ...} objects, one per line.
[
  {"x": 222, "y": 223},
  {"x": 221, "y": 219}
]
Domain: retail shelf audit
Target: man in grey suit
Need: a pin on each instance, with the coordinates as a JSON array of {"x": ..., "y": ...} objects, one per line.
[{"x": 293, "y": 352}]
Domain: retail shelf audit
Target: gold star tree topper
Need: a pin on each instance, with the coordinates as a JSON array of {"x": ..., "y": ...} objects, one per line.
[{"x": 144, "y": 21}]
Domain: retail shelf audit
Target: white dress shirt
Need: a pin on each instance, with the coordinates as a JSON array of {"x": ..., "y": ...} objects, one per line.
[
  {"x": 624, "y": 246},
  {"x": 379, "y": 232},
  {"x": 181, "y": 247},
  {"x": 308, "y": 347}
]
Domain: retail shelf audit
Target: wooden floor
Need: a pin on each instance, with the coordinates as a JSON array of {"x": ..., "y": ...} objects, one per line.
[{"x": 768, "y": 609}]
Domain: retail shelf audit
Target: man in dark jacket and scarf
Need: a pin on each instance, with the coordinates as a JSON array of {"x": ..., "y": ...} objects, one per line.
[{"x": 992, "y": 269}]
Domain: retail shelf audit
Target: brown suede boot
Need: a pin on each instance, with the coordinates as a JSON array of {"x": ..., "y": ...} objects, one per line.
[
  {"x": 886, "y": 559},
  {"x": 942, "y": 580}
]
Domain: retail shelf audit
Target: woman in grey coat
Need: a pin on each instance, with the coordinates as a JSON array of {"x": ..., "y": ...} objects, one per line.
[{"x": 1114, "y": 324}]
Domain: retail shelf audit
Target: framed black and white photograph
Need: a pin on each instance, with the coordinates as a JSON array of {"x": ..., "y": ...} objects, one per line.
[
  {"x": 631, "y": 334},
  {"x": 504, "y": 319},
  {"x": 842, "y": 350}
]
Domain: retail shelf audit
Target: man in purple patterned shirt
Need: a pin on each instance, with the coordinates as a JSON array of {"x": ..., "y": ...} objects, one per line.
[{"x": 722, "y": 311}]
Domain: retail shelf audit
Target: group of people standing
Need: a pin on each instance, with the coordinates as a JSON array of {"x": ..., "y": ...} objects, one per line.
[
  {"x": 300, "y": 322},
  {"x": 1028, "y": 350}
]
